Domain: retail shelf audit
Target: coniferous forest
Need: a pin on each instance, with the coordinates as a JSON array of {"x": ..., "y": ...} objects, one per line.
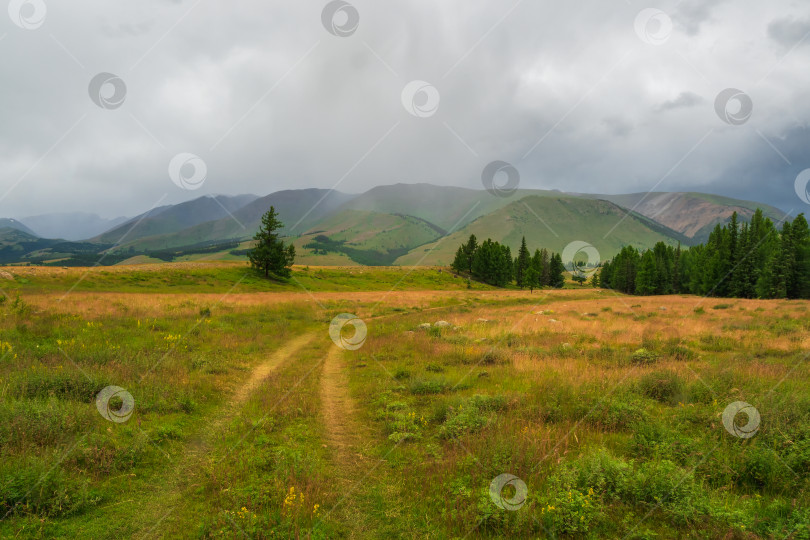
[
  {"x": 740, "y": 259},
  {"x": 492, "y": 263}
]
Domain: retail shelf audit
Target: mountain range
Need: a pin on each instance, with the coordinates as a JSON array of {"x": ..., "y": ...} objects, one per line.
[{"x": 400, "y": 224}]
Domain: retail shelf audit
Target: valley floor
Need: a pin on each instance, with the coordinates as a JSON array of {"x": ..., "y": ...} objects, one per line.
[{"x": 252, "y": 419}]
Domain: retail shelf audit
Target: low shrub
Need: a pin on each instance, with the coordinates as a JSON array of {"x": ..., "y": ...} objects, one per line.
[
  {"x": 644, "y": 357},
  {"x": 429, "y": 386},
  {"x": 662, "y": 386},
  {"x": 470, "y": 415}
]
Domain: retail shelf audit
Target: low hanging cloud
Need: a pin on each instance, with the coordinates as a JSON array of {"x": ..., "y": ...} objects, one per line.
[{"x": 597, "y": 95}]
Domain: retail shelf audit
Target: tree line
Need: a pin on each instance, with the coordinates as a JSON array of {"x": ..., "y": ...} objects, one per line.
[
  {"x": 745, "y": 260},
  {"x": 492, "y": 263}
]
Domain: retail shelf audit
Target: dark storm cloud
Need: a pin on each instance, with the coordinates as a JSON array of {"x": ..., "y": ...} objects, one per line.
[{"x": 570, "y": 95}]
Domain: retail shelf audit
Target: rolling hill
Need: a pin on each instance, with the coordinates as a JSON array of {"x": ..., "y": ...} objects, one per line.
[
  {"x": 371, "y": 238},
  {"x": 298, "y": 209},
  {"x": 174, "y": 218},
  {"x": 553, "y": 223},
  {"x": 19, "y": 246}
]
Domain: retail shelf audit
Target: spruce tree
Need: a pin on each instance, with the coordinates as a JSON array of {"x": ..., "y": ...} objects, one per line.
[
  {"x": 545, "y": 268},
  {"x": 676, "y": 271},
  {"x": 532, "y": 277},
  {"x": 646, "y": 277},
  {"x": 801, "y": 258},
  {"x": 469, "y": 251},
  {"x": 522, "y": 263},
  {"x": 556, "y": 269},
  {"x": 785, "y": 262},
  {"x": 270, "y": 255},
  {"x": 461, "y": 262}
]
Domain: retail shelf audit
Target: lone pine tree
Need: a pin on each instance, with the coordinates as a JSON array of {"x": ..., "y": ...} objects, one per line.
[{"x": 271, "y": 256}]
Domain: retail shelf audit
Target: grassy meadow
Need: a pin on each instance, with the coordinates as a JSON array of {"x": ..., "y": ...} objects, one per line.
[{"x": 250, "y": 420}]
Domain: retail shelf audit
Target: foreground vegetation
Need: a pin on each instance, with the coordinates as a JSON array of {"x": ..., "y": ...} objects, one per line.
[{"x": 249, "y": 421}]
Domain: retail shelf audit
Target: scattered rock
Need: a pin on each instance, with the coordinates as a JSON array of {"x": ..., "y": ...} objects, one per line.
[
  {"x": 442, "y": 324},
  {"x": 566, "y": 345},
  {"x": 6, "y": 275},
  {"x": 424, "y": 326},
  {"x": 662, "y": 308},
  {"x": 482, "y": 320},
  {"x": 553, "y": 320}
]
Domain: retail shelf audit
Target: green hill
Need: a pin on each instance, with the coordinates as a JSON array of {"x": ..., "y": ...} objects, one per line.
[
  {"x": 447, "y": 207},
  {"x": 174, "y": 218},
  {"x": 553, "y": 223},
  {"x": 367, "y": 237},
  {"x": 304, "y": 207}
]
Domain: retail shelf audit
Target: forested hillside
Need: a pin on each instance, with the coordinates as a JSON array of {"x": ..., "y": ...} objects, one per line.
[
  {"x": 751, "y": 260},
  {"x": 745, "y": 260}
]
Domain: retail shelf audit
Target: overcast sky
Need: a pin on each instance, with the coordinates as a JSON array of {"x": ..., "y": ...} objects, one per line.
[{"x": 592, "y": 96}]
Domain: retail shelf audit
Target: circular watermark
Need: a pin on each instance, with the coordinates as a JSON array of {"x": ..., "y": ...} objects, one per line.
[
  {"x": 580, "y": 258},
  {"x": 802, "y": 186},
  {"x": 107, "y": 90},
  {"x": 750, "y": 428},
  {"x": 500, "y": 178},
  {"x": 420, "y": 98},
  {"x": 340, "y": 18},
  {"x": 188, "y": 171},
  {"x": 653, "y": 26},
  {"x": 518, "y": 498},
  {"x": 733, "y": 106},
  {"x": 117, "y": 415},
  {"x": 348, "y": 343},
  {"x": 27, "y": 14}
]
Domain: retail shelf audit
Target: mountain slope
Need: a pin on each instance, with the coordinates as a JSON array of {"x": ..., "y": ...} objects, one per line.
[
  {"x": 304, "y": 207},
  {"x": 365, "y": 237},
  {"x": 19, "y": 246},
  {"x": 174, "y": 218},
  {"x": 6, "y": 223},
  {"x": 552, "y": 223},
  {"x": 692, "y": 214},
  {"x": 445, "y": 206},
  {"x": 71, "y": 225}
]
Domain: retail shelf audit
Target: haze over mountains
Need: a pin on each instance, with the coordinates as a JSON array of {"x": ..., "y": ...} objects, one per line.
[{"x": 392, "y": 224}]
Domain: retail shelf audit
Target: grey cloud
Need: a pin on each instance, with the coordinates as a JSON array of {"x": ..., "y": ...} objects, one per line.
[
  {"x": 693, "y": 14},
  {"x": 789, "y": 32},
  {"x": 568, "y": 94},
  {"x": 618, "y": 126},
  {"x": 684, "y": 99}
]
